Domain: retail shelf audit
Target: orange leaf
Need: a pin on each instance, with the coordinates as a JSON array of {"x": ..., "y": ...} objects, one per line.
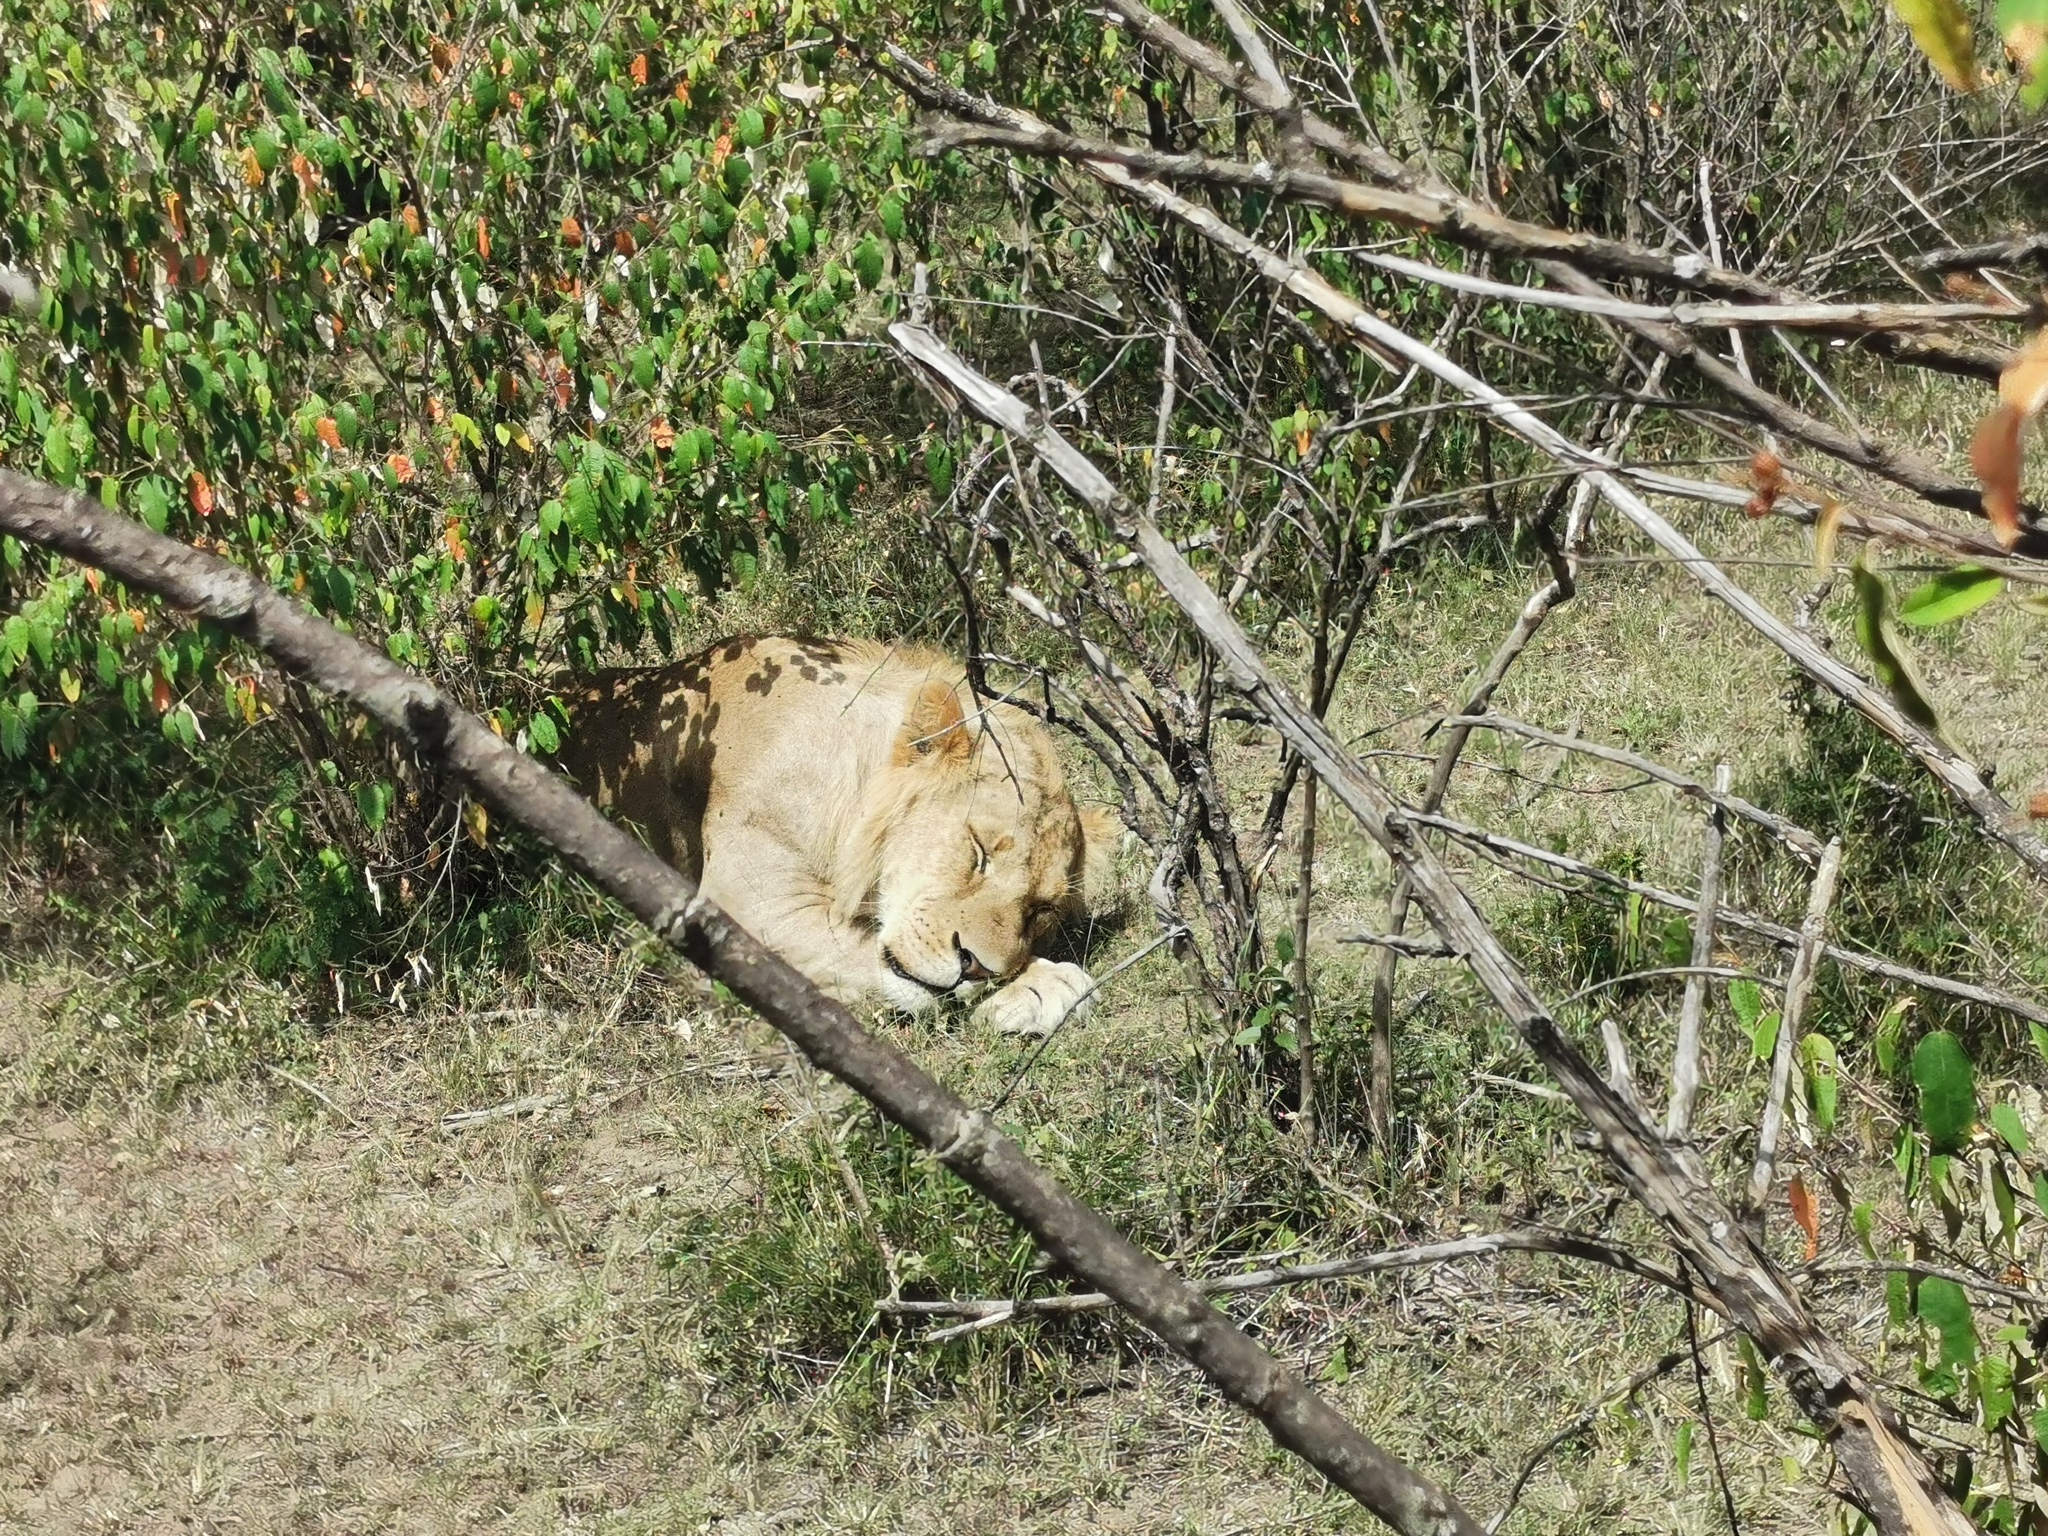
[
  {"x": 448, "y": 458},
  {"x": 435, "y": 409},
  {"x": 663, "y": 434},
  {"x": 174, "y": 210},
  {"x": 2037, "y": 807},
  {"x": 328, "y": 433},
  {"x": 252, "y": 168},
  {"x": 92, "y": 579},
  {"x": 623, "y": 243},
  {"x": 452, "y": 537},
  {"x": 160, "y": 692},
  {"x": 401, "y": 466},
  {"x": 483, "y": 237},
  {"x": 2024, "y": 383},
  {"x": 135, "y": 618},
  {"x": 721, "y": 150},
  {"x": 638, "y": 69},
  {"x": 1995, "y": 456},
  {"x": 572, "y": 232},
  {"x": 1807, "y": 1214},
  {"x": 412, "y": 219},
  {"x": 683, "y": 92},
  {"x": 201, "y": 495}
]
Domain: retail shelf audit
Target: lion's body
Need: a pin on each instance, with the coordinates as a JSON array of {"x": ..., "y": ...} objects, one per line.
[{"x": 846, "y": 803}]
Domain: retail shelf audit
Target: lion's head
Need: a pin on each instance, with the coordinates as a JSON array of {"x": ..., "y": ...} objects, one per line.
[{"x": 970, "y": 852}]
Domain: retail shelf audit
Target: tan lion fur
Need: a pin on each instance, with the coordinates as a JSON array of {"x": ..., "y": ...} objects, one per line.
[{"x": 851, "y": 805}]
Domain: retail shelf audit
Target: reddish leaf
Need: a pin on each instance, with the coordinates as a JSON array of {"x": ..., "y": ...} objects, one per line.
[
  {"x": 1995, "y": 456},
  {"x": 201, "y": 495},
  {"x": 401, "y": 466},
  {"x": 452, "y": 537},
  {"x": 174, "y": 210},
  {"x": 663, "y": 434},
  {"x": 2037, "y": 806},
  {"x": 1807, "y": 1214},
  {"x": 160, "y": 692},
  {"x": 638, "y": 69},
  {"x": 572, "y": 232},
  {"x": 623, "y": 242},
  {"x": 483, "y": 237},
  {"x": 412, "y": 220},
  {"x": 328, "y": 432}
]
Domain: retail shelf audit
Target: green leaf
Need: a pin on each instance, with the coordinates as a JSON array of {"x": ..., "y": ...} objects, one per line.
[
  {"x": 751, "y": 127},
  {"x": 2006, "y": 1121},
  {"x": 867, "y": 262},
  {"x": 1950, "y": 596},
  {"x": 1747, "y": 999},
  {"x": 153, "y": 504},
  {"x": 540, "y": 730},
  {"x": 821, "y": 180},
  {"x": 2040, "y": 1036},
  {"x": 891, "y": 214},
  {"x": 1763, "y": 1039},
  {"x": 1948, "y": 1097},
  {"x": 2041, "y": 1192},
  {"x": 1681, "y": 1453},
  {"x": 1942, "y": 29},
  {"x": 1823, "y": 1088},
  {"x": 1890, "y": 1034},
  {"x": 1944, "y": 1305},
  {"x": 1888, "y": 660}
]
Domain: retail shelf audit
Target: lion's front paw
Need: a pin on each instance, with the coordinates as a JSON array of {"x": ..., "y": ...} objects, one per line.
[{"x": 1034, "y": 1004}]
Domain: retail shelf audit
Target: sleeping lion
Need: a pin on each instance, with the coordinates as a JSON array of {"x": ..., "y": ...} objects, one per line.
[{"x": 852, "y": 808}]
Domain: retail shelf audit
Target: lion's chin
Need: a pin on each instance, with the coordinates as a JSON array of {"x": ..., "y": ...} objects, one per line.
[{"x": 904, "y": 994}]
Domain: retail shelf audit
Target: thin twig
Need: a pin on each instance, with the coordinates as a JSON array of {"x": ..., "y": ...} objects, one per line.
[
  {"x": 1805, "y": 963},
  {"x": 1685, "y": 1055},
  {"x": 1571, "y": 1245},
  {"x": 1729, "y": 917},
  {"x": 1791, "y": 834},
  {"x": 1621, "y": 1391}
]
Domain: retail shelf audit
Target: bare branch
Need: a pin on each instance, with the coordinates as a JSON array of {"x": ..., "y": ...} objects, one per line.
[
  {"x": 1805, "y": 963},
  {"x": 1729, "y": 917},
  {"x": 1792, "y": 835},
  {"x": 1685, "y": 1055},
  {"x": 1571, "y": 1245},
  {"x": 1831, "y": 1386}
]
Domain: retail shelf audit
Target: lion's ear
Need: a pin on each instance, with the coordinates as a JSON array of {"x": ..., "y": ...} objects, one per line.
[
  {"x": 1101, "y": 834},
  {"x": 934, "y": 727}
]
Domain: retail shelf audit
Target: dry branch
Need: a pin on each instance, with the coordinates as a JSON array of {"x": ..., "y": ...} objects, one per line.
[
  {"x": 1890, "y": 1477},
  {"x": 1401, "y": 197},
  {"x": 1805, "y": 965},
  {"x": 1685, "y": 1054},
  {"x": 964, "y": 1139},
  {"x": 1570, "y": 1245},
  {"x": 1962, "y": 779},
  {"x": 1791, "y": 834},
  {"x": 1729, "y": 917}
]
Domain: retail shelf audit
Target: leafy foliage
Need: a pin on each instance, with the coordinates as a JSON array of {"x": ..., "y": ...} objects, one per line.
[{"x": 481, "y": 327}]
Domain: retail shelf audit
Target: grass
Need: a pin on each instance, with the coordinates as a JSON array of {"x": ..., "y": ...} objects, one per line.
[{"x": 248, "y": 1279}]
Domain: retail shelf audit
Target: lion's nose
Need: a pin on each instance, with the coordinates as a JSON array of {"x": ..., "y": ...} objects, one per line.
[{"x": 971, "y": 969}]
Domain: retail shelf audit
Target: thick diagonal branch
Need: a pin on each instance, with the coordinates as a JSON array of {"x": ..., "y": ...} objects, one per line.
[{"x": 964, "y": 1139}]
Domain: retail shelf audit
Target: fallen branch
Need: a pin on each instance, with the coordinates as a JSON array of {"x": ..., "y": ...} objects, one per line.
[
  {"x": 521, "y": 790},
  {"x": 1892, "y": 1480},
  {"x": 1569, "y": 1245}
]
